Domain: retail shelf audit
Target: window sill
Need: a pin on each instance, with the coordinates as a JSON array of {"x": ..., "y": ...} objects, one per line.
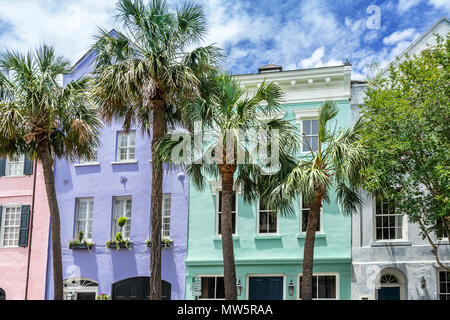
[
  {"x": 124, "y": 162},
  {"x": 219, "y": 238},
  {"x": 391, "y": 243},
  {"x": 91, "y": 164},
  {"x": 12, "y": 177},
  {"x": 267, "y": 237},
  {"x": 318, "y": 235}
]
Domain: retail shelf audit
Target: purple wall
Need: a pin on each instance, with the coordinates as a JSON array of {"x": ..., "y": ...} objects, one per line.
[{"x": 103, "y": 182}]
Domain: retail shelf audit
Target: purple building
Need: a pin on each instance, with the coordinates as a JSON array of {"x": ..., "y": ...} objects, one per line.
[{"x": 93, "y": 195}]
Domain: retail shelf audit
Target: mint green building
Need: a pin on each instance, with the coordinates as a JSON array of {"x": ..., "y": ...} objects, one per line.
[{"x": 269, "y": 252}]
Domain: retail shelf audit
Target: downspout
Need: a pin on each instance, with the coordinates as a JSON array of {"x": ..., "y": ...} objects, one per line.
[{"x": 31, "y": 228}]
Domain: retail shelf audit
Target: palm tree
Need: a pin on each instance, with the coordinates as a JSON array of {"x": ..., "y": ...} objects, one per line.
[
  {"x": 40, "y": 117},
  {"x": 143, "y": 74},
  {"x": 226, "y": 111},
  {"x": 335, "y": 164}
]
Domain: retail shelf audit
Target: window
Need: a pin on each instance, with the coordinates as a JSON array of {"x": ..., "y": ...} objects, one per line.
[
  {"x": 388, "y": 224},
  {"x": 324, "y": 287},
  {"x": 80, "y": 289},
  {"x": 444, "y": 285},
  {"x": 310, "y": 135},
  {"x": 304, "y": 219},
  {"x": 166, "y": 216},
  {"x": 212, "y": 288},
  {"x": 2, "y": 294},
  {"x": 219, "y": 213},
  {"x": 267, "y": 219},
  {"x": 126, "y": 146},
  {"x": 122, "y": 207},
  {"x": 10, "y": 231},
  {"x": 84, "y": 211},
  {"x": 442, "y": 231},
  {"x": 92, "y": 160},
  {"x": 14, "y": 165}
]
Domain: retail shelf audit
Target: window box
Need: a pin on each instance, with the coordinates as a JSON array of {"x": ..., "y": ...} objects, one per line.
[
  {"x": 165, "y": 244},
  {"x": 125, "y": 244},
  {"x": 81, "y": 246}
]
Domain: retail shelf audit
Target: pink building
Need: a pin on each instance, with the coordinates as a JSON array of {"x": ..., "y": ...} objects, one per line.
[{"x": 20, "y": 227}]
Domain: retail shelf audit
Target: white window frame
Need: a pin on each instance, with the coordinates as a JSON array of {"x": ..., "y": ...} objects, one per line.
[
  {"x": 263, "y": 275},
  {"x": 258, "y": 230},
  {"x": 86, "y": 220},
  {"x": 217, "y": 212},
  {"x": 374, "y": 219},
  {"x": 301, "y": 218},
  {"x": 85, "y": 162},
  {"x": 78, "y": 287},
  {"x": 305, "y": 114},
  {"x": 211, "y": 276},
  {"x": 115, "y": 226},
  {"x": 164, "y": 215},
  {"x": 21, "y": 164},
  {"x": 438, "y": 284},
  {"x": 127, "y": 147},
  {"x": 321, "y": 274},
  {"x": 308, "y": 135},
  {"x": 2, "y": 223},
  {"x": 445, "y": 238},
  {"x": 401, "y": 284}
]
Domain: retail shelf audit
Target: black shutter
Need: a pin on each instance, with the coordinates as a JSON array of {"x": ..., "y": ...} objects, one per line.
[
  {"x": 1, "y": 210},
  {"x": 28, "y": 165},
  {"x": 2, "y": 167},
  {"x": 24, "y": 226}
]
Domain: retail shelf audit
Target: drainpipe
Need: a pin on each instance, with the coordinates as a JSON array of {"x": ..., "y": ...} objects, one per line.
[{"x": 31, "y": 227}]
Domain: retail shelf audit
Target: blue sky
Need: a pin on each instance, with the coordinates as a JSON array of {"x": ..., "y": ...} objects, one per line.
[{"x": 292, "y": 33}]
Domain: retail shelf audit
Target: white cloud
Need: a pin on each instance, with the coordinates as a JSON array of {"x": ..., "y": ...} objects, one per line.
[
  {"x": 405, "y": 5},
  {"x": 442, "y": 4},
  {"x": 398, "y": 36}
]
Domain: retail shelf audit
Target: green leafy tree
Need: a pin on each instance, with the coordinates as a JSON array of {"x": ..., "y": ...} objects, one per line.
[
  {"x": 407, "y": 118},
  {"x": 40, "y": 117},
  {"x": 225, "y": 112},
  {"x": 334, "y": 166},
  {"x": 143, "y": 74}
]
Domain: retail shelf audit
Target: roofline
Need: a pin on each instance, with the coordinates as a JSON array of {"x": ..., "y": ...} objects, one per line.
[
  {"x": 285, "y": 71},
  {"x": 87, "y": 54},
  {"x": 416, "y": 41}
]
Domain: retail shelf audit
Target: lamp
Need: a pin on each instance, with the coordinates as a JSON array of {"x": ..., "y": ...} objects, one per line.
[
  {"x": 423, "y": 283},
  {"x": 239, "y": 288},
  {"x": 70, "y": 296},
  {"x": 291, "y": 288}
]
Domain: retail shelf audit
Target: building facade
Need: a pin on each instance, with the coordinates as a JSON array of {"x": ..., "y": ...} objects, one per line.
[
  {"x": 269, "y": 252},
  {"x": 390, "y": 260},
  {"x": 94, "y": 194},
  {"x": 22, "y": 268}
]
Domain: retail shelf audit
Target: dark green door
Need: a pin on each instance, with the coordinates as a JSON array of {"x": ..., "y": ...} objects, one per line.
[
  {"x": 389, "y": 293},
  {"x": 138, "y": 289},
  {"x": 265, "y": 288}
]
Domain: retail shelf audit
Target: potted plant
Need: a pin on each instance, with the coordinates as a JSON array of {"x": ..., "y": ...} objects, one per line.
[
  {"x": 119, "y": 242},
  {"x": 80, "y": 243},
  {"x": 166, "y": 243},
  {"x": 103, "y": 296}
]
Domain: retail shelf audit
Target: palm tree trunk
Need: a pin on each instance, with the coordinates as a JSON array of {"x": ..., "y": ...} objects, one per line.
[
  {"x": 308, "y": 252},
  {"x": 229, "y": 266},
  {"x": 47, "y": 165},
  {"x": 159, "y": 130}
]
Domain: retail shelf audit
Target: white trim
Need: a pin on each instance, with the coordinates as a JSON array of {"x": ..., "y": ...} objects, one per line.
[
  {"x": 398, "y": 274},
  {"x": 87, "y": 164},
  {"x": 2, "y": 222},
  {"x": 263, "y": 275},
  {"x": 300, "y": 116},
  {"x": 124, "y": 162},
  {"x": 210, "y": 276},
  {"x": 21, "y": 163},
  {"x": 319, "y": 274},
  {"x": 77, "y": 213},
  {"x": 258, "y": 233},
  {"x": 438, "y": 287},
  {"x": 127, "y": 147},
  {"x": 374, "y": 227},
  {"x": 78, "y": 288}
]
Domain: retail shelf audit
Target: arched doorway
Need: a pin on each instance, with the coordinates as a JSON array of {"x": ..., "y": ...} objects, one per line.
[
  {"x": 391, "y": 285},
  {"x": 80, "y": 289},
  {"x": 2, "y": 294},
  {"x": 138, "y": 288}
]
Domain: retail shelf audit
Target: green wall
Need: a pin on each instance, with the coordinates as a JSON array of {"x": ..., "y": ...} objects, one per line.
[{"x": 280, "y": 254}]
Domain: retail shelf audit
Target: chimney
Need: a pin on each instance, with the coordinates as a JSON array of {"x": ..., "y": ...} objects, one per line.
[{"x": 270, "y": 68}]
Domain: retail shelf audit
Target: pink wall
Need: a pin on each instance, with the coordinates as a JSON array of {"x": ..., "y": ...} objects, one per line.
[{"x": 13, "y": 261}]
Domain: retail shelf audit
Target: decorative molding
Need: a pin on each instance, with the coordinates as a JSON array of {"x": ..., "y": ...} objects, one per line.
[{"x": 304, "y": 113}]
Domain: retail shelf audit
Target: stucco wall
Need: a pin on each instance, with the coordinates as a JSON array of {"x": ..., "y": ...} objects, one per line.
[{"x": 13, "y": 261}]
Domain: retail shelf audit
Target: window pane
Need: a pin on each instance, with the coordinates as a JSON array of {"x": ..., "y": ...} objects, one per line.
[
  {"x": 327, "y": 287},
  {"x": 314, "y": 127},
  {"x": 307, "y": 127},
  {"x": 220, "y": 288},
  {"x": 263, "y": 222},
  {"x": 272, "y": 223}
]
